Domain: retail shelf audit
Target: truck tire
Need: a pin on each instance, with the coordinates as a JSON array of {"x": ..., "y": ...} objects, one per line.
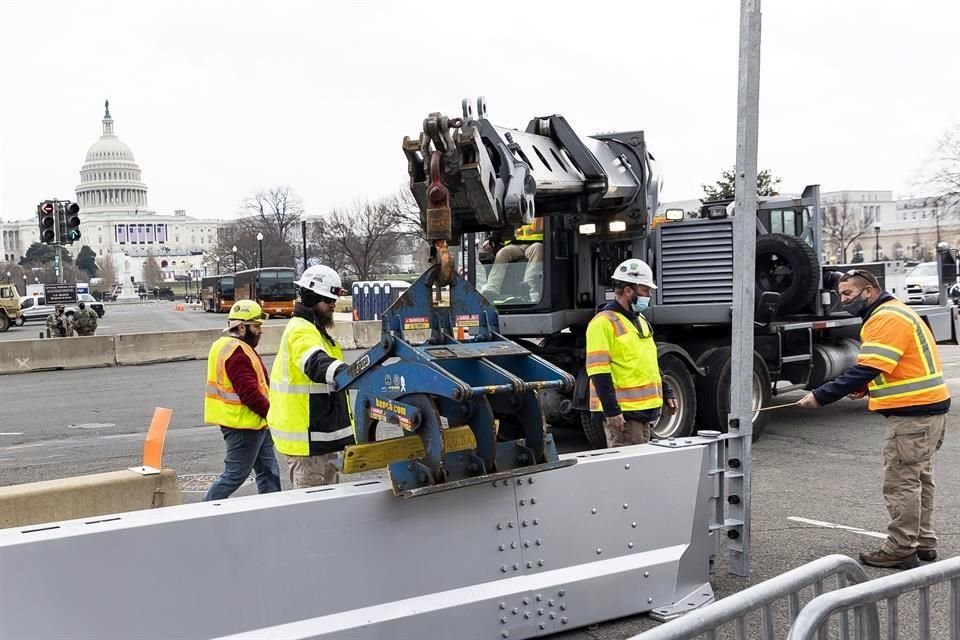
[
  {"x": 4, "y": 322},
  {"x": 593, "y": 429},
  {"x": 787, "y": 265},
  {"x": 682, "y": 423},
  {"x": 713, "y": 391}
]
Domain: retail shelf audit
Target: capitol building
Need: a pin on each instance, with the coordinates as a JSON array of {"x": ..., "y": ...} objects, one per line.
[{"x": 116, "y": 219}]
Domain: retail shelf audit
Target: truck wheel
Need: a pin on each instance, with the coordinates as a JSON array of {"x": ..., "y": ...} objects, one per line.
[
  {"x": 4, "y": 322},
  {"x": 713, "y": 391},
  {"x": 19, "y": 321},
  {"x": 787, "y": 265},
  {"x": 593, "y": 429},
  {"x": 676, "y": 374}
]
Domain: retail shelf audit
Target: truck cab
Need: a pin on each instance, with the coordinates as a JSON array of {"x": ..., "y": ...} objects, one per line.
[{"x": 9, "y": 306}]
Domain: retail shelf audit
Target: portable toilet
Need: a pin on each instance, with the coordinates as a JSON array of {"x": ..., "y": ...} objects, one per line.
[
  {"x": 393, "y": 289},
  {"x": 356, "y": 291},
  {"x": 366, "y": 311},
  {"x": 376, "y": 307}
]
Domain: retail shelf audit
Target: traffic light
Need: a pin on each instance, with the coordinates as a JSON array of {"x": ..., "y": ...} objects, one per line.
[
  {"x": 48, "y": 215},
  {"x": 70, "y": 222}
]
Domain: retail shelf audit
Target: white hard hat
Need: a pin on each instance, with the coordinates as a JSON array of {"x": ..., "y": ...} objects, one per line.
[
  {"x": 323, "y": 281},
  {"x": 634, "y": 271}
]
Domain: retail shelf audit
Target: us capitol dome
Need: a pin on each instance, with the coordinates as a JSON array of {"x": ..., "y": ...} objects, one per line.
[{"x": 110, "y": 179}]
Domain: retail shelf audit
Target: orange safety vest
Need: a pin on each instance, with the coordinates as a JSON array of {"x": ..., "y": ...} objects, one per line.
[
  {"x": 221, "y": 404},
  {"x": 898, "y": 342}
]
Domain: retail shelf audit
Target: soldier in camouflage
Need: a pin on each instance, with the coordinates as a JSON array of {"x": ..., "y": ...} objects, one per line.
[
  {"x": 58, "y": 324},
  {"x": 85, "y": 322}
]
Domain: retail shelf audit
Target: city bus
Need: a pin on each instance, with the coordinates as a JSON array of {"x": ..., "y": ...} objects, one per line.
[
  {"x": 271, "y": 287},
  {"x": 217, "y": 293}
]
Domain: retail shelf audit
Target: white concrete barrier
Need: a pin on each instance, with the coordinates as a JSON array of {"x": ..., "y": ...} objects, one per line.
[
  {"x": 146, "y": 348},
  {"x": 366, "y": 333},
  {"x": 23, "y": 356},
  {"x": 85, "y": 496}
]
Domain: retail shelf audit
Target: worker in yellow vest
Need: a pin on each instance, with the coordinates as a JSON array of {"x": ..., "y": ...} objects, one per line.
[
  {"x": 310, "y": 422},
  {"x": 626, "y": 390},
  {"x": 236, "y": 400},
  {"x": 899, "y": 368},
  {"x": 527, "y": 244}
]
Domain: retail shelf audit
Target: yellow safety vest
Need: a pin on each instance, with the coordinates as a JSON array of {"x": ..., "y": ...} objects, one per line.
[
  {"x": 294, "y": 430},
  {"x": 221, "y": 404},
  {"x": 530, "y": 232},
  {"x": 895, "y": 340},
  {"x": 629, "y": 354}
]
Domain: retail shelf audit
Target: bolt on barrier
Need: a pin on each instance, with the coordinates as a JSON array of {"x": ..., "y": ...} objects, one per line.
[
  {"x": 815, "y": 617},
  {"x": 740, "y": 607}
]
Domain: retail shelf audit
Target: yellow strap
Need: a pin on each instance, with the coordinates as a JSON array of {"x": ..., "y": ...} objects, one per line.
[{"x": 377, "y": 455}]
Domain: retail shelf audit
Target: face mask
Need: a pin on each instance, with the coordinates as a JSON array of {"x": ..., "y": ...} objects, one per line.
[
  {"x": 641, "y": 303},
  {"x": 854, "y": 306}
]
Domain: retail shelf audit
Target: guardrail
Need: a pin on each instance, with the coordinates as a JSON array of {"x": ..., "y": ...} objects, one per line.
[
  {"x": 817, "y": 614},
  {"x": 741, "y": 607}
]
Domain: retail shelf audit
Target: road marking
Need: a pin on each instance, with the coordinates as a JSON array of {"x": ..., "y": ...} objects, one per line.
[
  {"x": 122, "y": 435},
  {"x": 25, "y": 446},
  {"x": 11, "y": 433},
  {"x": 832, "y": 525}
]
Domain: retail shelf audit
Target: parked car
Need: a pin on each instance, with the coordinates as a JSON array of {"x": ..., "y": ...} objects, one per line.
[
  {"x": 923, "y": 284},
  {"x": 36, "y": 309}
]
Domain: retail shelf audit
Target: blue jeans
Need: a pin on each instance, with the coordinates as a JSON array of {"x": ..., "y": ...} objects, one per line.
[{"x": 246, "y": 449}]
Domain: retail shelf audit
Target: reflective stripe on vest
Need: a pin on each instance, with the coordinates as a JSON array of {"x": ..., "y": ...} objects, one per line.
[
  {"x": 530, "y": 232},
  {"x": 628, "y": 353},
  {"x": 221, "y": 404},
  {"x": 291, "y": 388},
  {"x": 913, "y": 376}
]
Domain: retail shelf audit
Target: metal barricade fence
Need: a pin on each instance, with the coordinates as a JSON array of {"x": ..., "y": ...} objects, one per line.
[
  {"x": 813, "y": 619},
  {"x": 739, "y": 607}
]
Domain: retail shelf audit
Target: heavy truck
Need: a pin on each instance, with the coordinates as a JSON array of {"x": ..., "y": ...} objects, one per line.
[{"x": 595, "y": 198}]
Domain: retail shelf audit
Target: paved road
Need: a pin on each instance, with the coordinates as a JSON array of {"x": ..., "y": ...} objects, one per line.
[
  {"x": 823, "y": 466},
  {"x": 143, "y": 318}
]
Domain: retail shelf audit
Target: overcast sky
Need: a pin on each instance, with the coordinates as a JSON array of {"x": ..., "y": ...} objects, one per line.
[{"x": 217, "y": 99}]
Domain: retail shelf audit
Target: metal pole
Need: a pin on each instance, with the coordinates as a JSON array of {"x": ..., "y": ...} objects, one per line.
[
  {"x": 876, "y": 231},
  {"x": 260, "y": 243},
  {"x": 60, "y": 259},
  {"x": 744, "y": 258},
  {"x": 303, "y": 234}
]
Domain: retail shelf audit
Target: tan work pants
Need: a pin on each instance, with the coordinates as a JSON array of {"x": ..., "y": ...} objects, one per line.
[
  {"x": 908, "y": 480},
  {"x": 312, "y": 471},
  {"x": 633, "y": 432},
  {"x": 514, "y": 253}
]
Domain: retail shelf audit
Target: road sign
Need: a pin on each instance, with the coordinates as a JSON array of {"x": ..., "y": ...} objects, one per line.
[
  {"x": 60, "y": 293},
  {"x": 47, "y": 207}
]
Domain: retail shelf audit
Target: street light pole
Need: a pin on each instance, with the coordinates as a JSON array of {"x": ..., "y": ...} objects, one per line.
[
  {"x": 260, "y": 248},
  {"x": 876, "y": 233},
  {"x": 234, "y": 258},
  {"x": 218, "y": 264},
  {"x": 24, "y": 285}
]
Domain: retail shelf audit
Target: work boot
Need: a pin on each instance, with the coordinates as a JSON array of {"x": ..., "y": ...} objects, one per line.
[
  {"x": 927, "y": 555},
  {"x": 886, "y": 560}
]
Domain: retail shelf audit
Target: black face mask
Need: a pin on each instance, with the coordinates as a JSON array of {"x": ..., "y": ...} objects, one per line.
[{"x": 856, "y": 305}]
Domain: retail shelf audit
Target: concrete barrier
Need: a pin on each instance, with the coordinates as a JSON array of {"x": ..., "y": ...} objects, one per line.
[
  {"x": 22, "y": 356},
  {"x": 366, "y": 333},
  {"x": 270, "y": 339},
  {"x": 86, "y": 496},
  {"x": 145, "y": 348}
]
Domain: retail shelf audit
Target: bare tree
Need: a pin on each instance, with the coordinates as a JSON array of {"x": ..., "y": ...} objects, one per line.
[
  {"x": 325, "y": 247},
  {"x": 844, "y": 223},
  {"x": 943, "y": 169},
  {"x": 368, "y": 235},
  {"x": 277, "y": 208},
  {"x": 152, "y": 275}
]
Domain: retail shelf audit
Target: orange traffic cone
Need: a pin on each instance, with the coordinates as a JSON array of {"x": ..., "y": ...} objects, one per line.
[{"x": 459, "y": 333}]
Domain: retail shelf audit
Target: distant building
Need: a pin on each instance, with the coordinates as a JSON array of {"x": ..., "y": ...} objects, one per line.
[{"x": 116, "y": 221}]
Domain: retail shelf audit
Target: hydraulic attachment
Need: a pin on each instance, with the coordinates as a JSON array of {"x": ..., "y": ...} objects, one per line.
[{"x": 431, "y": 390}]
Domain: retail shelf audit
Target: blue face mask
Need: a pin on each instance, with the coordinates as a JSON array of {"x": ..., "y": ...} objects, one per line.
[{"x": 641, "y": 303}]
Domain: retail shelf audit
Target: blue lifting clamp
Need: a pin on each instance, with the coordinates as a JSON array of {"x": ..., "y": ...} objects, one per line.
[{"x": 428, "y": 389}]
